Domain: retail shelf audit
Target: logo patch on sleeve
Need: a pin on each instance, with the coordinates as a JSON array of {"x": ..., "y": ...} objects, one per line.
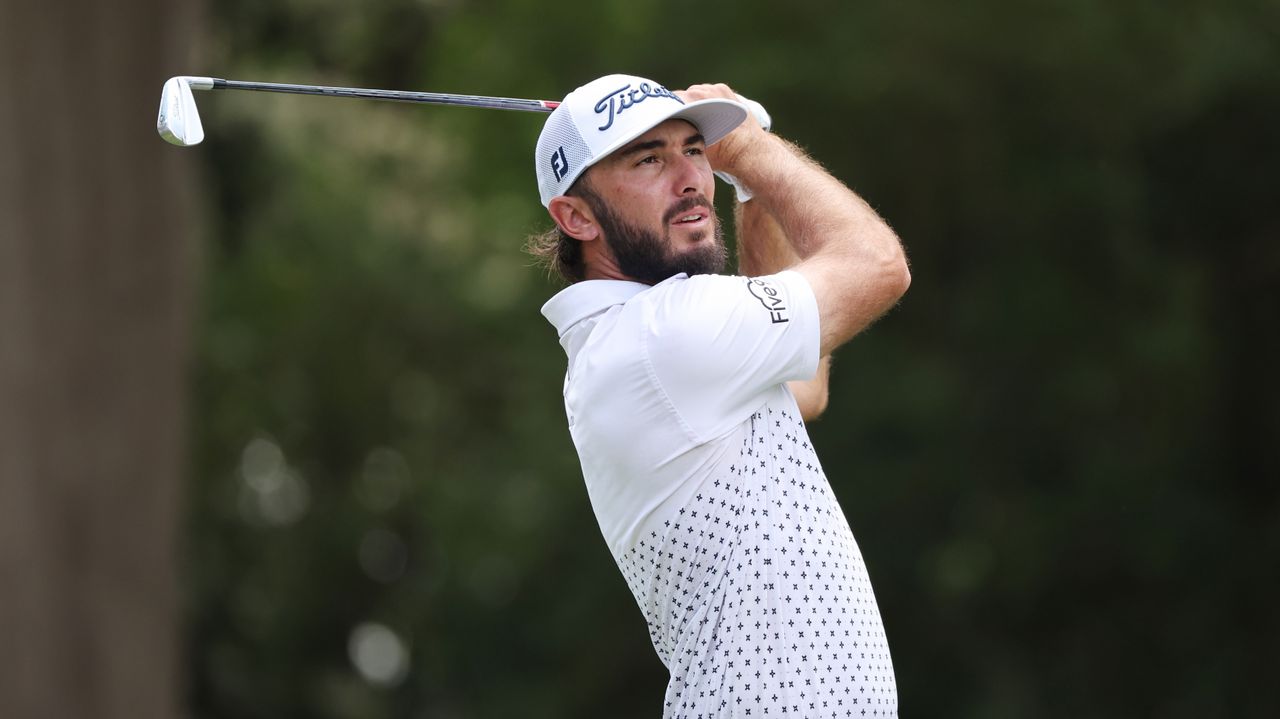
[{"x": 770, "y": 298}]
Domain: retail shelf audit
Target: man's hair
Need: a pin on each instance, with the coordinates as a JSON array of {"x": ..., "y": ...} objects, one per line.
[{"x": 559, "y": 253}]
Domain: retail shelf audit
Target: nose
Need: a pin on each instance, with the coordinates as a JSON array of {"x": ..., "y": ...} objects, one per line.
[{"x": 689, "y": 177}]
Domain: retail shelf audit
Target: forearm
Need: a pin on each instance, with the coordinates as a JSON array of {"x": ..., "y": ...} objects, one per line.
[
  {"x": 763, "y": 249},
  {"x": 850, "y": 256},
  {"x": 811, "y": 210}
]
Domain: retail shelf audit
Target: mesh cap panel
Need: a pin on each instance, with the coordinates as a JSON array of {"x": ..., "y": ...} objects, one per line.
[{"x": 561, "y": 155}]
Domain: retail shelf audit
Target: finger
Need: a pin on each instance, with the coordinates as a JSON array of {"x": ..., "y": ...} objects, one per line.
[{"x": 706, "y": 91}]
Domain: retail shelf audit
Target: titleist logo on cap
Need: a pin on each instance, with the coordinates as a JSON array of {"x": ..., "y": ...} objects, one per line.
[{"x": 616, "y": 102}]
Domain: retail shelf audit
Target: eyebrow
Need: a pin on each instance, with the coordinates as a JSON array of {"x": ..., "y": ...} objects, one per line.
[{"x": 638, "y": 147}]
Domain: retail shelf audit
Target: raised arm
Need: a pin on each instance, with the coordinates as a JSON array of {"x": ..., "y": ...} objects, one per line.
[
  {"x": 849, "y": 255},
  {"x": 764, "y": 250}
]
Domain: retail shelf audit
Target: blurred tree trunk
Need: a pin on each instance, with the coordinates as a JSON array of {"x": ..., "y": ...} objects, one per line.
[{"x": 96, "y": 250}]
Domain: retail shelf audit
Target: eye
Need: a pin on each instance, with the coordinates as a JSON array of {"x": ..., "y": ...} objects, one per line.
[
  {"x": 694, "y": 151},
  {"x": 647, "y": 160}
]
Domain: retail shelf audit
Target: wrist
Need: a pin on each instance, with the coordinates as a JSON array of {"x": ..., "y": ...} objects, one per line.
[{"x": 731, "y": 153}]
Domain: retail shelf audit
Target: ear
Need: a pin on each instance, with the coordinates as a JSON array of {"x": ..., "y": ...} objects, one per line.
[{"x": 574, "y": 217}]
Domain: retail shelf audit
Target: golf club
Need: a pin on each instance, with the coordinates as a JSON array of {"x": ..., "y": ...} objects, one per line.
[{"x": 179, "y": 122}]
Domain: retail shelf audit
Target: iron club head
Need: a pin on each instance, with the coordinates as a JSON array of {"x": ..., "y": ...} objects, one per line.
[{"x": 179, "y": 122}]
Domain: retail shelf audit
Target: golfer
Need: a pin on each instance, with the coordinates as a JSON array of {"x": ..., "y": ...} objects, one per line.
[{"x": 687, "y": 390}]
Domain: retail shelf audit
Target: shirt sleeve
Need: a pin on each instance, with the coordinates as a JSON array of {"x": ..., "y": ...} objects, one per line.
[{"x": 716, "y": 345}]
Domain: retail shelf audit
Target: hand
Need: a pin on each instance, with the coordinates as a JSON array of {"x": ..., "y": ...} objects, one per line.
[
  {"x": 724, "y": 154},
  {"x": 757, "y": 113}
]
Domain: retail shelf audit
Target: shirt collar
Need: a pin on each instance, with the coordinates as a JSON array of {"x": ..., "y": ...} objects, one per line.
[{"x": 581, "y": 300}]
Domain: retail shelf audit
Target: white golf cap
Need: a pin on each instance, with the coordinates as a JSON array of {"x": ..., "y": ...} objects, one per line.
[{"x": 609, "y": 112}]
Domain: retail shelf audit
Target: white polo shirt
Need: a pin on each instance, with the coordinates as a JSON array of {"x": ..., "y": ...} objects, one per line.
[{"x": 710, "y": 496}]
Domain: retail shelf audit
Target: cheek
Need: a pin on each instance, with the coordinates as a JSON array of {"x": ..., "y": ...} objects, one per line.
[
  {"x": 634, "y": 201},
  {"x": 616, "y": 188}
]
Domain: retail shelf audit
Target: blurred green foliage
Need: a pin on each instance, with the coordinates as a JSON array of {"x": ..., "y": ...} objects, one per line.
[{"x": 1058, "y": 454}]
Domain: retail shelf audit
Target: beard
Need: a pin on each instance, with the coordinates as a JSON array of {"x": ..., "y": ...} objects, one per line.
[{"x": 645, "y": 256}]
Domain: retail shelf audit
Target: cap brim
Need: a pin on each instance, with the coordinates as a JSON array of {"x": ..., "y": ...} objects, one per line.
[{"x": 714, "y": 118}]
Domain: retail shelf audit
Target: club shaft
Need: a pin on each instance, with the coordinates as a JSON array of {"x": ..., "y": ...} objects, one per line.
[{"x": 433, "y": 98}]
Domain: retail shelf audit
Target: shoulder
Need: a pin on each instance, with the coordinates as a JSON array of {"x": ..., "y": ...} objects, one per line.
[
  {"x": 702, "y": 299},
  {"x": 716, "y": 345}
]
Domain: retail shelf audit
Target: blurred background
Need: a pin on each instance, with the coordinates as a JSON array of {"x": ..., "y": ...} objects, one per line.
[{"x": 280, "y": 422}]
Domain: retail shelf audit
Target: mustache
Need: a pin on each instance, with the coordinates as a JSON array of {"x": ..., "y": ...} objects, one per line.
[{"x": 683, "y": 206}]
